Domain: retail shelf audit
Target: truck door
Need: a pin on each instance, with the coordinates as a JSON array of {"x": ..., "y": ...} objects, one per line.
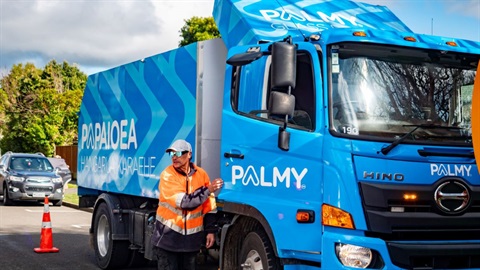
[{"x": 276, "y": 183}]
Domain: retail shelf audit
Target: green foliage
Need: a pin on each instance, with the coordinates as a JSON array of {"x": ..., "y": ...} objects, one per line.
[
  {"x": 197, "y": 29},
  {"x": 3, "y": 99},
  {"x": 38, "y": 108}
]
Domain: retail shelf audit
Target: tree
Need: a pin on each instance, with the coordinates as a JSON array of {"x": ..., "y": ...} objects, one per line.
[
  {"x": 40, "y": 107},
  {"x": 197, "y": 29}
]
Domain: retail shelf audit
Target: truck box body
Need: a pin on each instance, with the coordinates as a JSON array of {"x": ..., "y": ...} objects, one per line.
[
  {"x": 344, "y": 140},
  {"x": 132, "y": 113}
]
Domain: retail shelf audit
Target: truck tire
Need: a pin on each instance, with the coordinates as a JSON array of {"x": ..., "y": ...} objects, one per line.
[
  {"x": 110, "y": 254},
  {"x": 6, "y": 200},
  {"x": 257, "y": 253}
]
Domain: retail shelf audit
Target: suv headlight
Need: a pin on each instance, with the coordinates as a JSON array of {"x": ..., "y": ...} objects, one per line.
[
  {"x": 17, "y": 178},
  {"x": 57, "y": 180}
]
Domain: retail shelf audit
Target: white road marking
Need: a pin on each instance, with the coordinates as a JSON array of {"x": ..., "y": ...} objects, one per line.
[
  {"x": 54, "y": 211},
  {"x": 79, "y": 226}
]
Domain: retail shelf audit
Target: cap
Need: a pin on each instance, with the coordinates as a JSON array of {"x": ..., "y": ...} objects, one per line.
[{"x": 180, "y": 146}]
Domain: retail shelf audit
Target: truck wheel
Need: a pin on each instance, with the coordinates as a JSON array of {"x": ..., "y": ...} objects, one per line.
[
  {"x": 110, "y": 254},
  {"x": 257, "y": 253},
  {"x": 6, "y": 200}
]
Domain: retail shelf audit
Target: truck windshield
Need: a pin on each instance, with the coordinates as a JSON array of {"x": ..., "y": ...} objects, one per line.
[{"x": 379, "y": 92}]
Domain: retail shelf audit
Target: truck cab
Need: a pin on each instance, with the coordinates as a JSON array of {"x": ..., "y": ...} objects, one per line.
[{"x": 357, "y": 153}]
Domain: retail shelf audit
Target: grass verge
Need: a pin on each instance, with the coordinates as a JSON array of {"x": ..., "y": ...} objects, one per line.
[{"x": 71, "y": 197}]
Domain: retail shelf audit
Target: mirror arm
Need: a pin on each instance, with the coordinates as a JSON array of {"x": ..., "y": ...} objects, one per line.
[
  {"x": 285, "y": 121},
  {"x": 283, "y": 139}
]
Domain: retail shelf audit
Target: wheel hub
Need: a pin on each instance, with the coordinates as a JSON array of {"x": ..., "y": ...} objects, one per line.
[
  {"x": 253, "y": 261},
  {"x": 103, "y": 235}
]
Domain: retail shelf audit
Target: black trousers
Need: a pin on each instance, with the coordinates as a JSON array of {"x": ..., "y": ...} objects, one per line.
[{"x": 169, "y": 260}]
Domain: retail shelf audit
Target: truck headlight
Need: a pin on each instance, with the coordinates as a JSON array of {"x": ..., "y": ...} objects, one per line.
[
  {"x": 353, "y": 256},
  {"x": 17, "y": 178},
  {"x": 57, "y": 180}
]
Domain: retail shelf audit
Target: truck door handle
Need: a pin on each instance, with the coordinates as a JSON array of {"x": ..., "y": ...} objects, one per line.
[{"x": 232, "y": 155}]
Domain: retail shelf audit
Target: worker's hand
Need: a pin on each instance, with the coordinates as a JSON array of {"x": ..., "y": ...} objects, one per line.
[
  {"x": 210, "y": 240},
  {"x": 216, "y": 185}
]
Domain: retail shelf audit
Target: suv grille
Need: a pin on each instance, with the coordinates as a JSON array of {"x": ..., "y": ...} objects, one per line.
[
  {"x": 38, "y": 179},
  {"x": 38, "y": 189}
]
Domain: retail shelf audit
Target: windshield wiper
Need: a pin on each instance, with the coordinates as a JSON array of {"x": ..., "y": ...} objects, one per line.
[{"x": 386, "y": 149}]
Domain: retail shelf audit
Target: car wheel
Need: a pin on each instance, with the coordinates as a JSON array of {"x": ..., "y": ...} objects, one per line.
[{"x": 6, "y": 200}]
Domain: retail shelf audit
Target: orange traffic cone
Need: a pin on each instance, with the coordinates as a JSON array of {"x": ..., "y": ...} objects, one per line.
[{"x": 46, "y": 240}]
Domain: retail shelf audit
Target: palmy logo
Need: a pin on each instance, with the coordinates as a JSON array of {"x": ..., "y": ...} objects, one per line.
[
  {"x": 450, "y": 170},
  {"x": 302, "y": 16},
  {"x": 250, "y": 175}
]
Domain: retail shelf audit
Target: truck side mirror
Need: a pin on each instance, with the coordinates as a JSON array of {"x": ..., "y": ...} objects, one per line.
[
  {"x": 282, "y": 105},
  {"x": 283, "y": 76},
  {"x": 284, "y": 64}
]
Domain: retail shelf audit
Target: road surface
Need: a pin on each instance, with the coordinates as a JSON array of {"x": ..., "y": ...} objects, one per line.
[{"x": 20, "y": 228}]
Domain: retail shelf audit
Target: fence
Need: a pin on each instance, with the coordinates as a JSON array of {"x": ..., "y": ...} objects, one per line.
[{"x": 69, "y": 154}]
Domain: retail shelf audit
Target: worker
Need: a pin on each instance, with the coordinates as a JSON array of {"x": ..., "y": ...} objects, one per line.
[{"x": 186, "y": 195}]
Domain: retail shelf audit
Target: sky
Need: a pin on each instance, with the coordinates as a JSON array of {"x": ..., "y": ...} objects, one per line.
[{"x": 96, "y": 35}]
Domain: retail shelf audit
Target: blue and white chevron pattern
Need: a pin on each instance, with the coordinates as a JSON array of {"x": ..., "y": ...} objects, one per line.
[{"x": 129, "y": 116}]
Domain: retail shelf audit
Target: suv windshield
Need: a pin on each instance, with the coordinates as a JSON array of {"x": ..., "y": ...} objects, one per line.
[
  {"x": 30, "y": 164},
  {"x": 383, "y": 92}
]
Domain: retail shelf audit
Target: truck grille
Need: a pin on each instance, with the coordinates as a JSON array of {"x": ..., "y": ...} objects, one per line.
[
  {"x": 419, "y": 219},
  {"x": 451, "y": 256},
  {"x": 393, "y": 219}
]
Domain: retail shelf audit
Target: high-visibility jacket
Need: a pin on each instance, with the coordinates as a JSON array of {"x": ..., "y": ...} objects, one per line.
[{"x": 183, "y": 201}]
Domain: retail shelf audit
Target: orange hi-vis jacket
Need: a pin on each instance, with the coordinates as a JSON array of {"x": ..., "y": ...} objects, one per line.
[{"x": 183, "y": 201}]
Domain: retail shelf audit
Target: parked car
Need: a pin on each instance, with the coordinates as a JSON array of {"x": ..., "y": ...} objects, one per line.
[
  {"x": 62, "y": 169},
  {"x": 29, "y": 177}
]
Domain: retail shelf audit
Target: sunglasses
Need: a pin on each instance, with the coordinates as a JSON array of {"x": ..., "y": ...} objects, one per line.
[{"x": 177, "y": 154}]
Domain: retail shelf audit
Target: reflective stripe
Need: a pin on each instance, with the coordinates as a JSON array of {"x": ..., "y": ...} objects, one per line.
[
  {"x": 195, "y": 230},
  {"x": 192, "y": 215},
  {"x": 166, "y": 205},
  {"x": 179, "y": 212},
  {"x": 170, "y": 224},
  {"x": 179, "y": 198},
  {"x": 176, "y": 228},
  {"x": 46, "y": 225},
  {"x": 175, "y": 212}
]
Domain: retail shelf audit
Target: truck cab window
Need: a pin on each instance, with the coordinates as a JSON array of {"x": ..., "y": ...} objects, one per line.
[
  {"x": 254, "y": 102},
  {"x": 382, "y": 92}
]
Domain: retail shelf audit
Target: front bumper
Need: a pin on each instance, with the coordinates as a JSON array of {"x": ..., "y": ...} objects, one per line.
[
  {"x": 33, "y": 192},
  {"x": 405, "y": 255}
]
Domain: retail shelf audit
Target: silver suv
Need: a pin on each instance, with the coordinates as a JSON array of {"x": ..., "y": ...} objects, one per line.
[{"x": 29, "y": 177}]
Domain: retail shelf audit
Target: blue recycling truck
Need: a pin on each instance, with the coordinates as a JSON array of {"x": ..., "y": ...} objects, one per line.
[{"x": 344, "y": 140}]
